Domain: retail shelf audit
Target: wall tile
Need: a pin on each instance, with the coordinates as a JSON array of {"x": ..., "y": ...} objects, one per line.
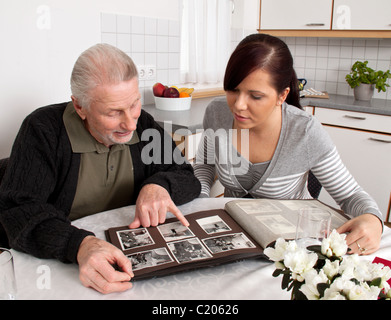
[
  {"x": 148, "y": 41},
  {"x": 108, "y": 22}
]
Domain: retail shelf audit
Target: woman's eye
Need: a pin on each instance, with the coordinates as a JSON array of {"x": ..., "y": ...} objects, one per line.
[{"x": 256, "y": 97}]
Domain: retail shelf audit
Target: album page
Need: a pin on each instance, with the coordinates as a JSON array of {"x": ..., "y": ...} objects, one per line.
[
  {"x": 212, "y": 237},
  {"x": 266, "y": 220}
]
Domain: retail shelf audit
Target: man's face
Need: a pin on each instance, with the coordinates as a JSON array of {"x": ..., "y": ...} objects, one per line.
[{"x": 113, "y": 113}]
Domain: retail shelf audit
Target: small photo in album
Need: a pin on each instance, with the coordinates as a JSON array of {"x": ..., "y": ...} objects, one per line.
[{"x": 133, "y": 238}]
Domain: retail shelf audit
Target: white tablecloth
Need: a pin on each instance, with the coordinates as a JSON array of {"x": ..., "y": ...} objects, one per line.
[{"x": 249, "y": 279}]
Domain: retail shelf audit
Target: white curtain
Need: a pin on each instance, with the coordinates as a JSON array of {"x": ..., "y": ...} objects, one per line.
[{"x": 205, "y": 43}]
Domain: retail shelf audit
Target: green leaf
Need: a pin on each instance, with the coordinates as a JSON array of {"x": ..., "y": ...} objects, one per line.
[
  {"x": 285, "y": 281},
  {"x": 361, "y": 73},
  {"x": 376, "y": 282},
  {"x": 277, "y": 272}
]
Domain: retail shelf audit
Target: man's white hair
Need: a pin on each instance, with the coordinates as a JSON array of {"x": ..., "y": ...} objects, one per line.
[{"x": 101, "y": 64}]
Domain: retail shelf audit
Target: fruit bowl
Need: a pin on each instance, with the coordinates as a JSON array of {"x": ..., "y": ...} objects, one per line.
[{"x": 172, "y": 104}]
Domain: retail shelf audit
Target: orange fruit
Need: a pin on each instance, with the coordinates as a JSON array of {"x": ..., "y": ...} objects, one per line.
[{"x": 184, "y": 95}]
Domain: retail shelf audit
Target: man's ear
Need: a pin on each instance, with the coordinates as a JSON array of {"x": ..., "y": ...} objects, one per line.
[{"x": 79, "y": 109}]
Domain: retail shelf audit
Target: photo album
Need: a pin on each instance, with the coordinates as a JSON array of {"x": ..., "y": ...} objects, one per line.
[{"x": 239, "y": 231}]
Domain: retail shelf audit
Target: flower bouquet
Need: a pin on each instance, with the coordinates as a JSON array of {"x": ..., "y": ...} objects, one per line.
[{"x": 325, "y": 272}]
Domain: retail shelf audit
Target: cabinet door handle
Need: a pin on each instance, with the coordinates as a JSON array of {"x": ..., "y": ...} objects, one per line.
[
  {"x": 380, "y": 140},
  {"x": 315, "y": 24},
  {"x": 354, "y": 117}
]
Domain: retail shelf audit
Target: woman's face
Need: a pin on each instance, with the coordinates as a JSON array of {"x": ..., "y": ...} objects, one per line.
[{"x": 254, "y": 103}]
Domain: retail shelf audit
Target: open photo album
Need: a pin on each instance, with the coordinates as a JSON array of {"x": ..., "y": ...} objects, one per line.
[{"x": 239, "y": 231}]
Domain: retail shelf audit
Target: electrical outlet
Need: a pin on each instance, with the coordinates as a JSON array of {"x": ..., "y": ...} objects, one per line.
[
  {"x": 142, "y": 72},
  {"x": 151, "y": 72}
]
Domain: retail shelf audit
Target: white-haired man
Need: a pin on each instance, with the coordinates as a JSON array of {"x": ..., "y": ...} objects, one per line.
[{"x": 85, "y": 156}]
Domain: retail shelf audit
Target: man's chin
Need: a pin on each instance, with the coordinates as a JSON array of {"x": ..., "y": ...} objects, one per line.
[{"x": 121, "y": 139}]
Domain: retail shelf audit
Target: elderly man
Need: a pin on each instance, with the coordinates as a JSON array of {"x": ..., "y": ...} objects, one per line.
[{"x": 75, "y": 159}]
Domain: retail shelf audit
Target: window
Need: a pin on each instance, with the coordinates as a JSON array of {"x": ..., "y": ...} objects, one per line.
[{"x": 205, "y": 44}]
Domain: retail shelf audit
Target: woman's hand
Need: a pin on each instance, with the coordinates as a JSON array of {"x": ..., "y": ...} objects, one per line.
[{"x": 363, "y": 233}]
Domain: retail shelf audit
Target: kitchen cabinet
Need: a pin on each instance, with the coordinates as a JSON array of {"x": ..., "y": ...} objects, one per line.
[
  {"x": 298, "y": 15},
  {"x": 364, "y": 144},
  {"x": 326, "y": 18},
  {"x": 362, "y": 15}
]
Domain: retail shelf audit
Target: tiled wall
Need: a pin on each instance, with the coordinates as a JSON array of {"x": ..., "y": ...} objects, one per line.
[
  {"x": 147, "y": 41},
  {"x": 324, "y": 62}
]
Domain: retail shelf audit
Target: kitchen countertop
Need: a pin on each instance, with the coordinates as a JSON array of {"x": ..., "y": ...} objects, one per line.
[
  {"x": 348, "y": 103},
  {"x": 188, "y": 122}
]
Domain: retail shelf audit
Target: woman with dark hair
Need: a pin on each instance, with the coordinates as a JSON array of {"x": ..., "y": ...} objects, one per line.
[{"x": 262, "y": 144}]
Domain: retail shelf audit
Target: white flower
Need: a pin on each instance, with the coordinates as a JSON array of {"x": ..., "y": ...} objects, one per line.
[
  {"x": 299, "y": 262},
  {"x": 281, "y": 246},
  {"x": 348, "y": 266},
  {"x": 331, "y": 269},
  {"x": 334, "y": 245},
  {"x": 352, "y": 291},
  {"x": 311, "y": 280},
  {"x": 276, "y": 254}
]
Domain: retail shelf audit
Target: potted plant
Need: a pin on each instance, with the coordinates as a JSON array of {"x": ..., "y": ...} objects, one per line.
[{"x": 364, "y": 79}]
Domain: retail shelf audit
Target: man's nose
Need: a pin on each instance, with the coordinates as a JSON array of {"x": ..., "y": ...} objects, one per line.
[{"x": 129, "y": 120}]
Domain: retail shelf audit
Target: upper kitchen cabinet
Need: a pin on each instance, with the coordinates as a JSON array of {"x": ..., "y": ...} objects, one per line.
[
  {"x": 296, "y": 15},
  {"x": 326, "y": 18},
  {"x": 362, "y": 15}
]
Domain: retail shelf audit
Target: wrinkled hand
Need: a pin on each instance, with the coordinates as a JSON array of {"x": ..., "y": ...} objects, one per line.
[
  {"x": 96, "y": 259},
  {"x": 363, "y": 233},
  {"x": 152, "y": 205}
]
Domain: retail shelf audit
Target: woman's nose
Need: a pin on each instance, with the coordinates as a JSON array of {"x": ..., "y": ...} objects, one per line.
[{"x": 240, "y": 102}]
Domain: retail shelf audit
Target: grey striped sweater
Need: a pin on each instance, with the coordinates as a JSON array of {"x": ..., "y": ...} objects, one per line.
[{"x": 303, "y": 146}]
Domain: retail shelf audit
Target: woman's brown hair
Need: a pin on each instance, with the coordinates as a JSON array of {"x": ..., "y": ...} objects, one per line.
[{"x": 271, "y": 54}]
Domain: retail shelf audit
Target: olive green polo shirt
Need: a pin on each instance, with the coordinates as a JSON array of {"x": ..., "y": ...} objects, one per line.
[{"x": 106, "y": 178}]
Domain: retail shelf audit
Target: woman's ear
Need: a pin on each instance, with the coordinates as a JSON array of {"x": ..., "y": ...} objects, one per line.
[{"x": 283, "y": 95}]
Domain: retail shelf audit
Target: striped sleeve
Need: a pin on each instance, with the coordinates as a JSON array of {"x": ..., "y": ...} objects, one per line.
[
  {"x": 204, "y": 168},
  {"x": 340, "y": 184}
]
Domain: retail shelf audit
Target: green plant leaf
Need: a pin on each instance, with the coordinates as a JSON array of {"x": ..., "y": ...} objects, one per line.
[
  {"x": 375, "y": 282},
  {"x": 361, "y": 73}
]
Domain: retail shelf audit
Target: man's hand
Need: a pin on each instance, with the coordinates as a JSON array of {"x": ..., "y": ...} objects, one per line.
[
  {"x": 152, "y": 205},
  {"x": 96, "y": 259},
  {"x": 363, "y": 233}
]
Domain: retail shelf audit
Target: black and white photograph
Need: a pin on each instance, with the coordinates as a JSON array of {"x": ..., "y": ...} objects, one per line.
[
  {"x": 134, "y": 238},
  {"x": 251, "y": 207},
  {"x": 188, "y": 250},
  {"x": 174, "y": 231},
  {"x": 277, "y": 224},
  {"x": 228, "y": 242},
  {"x": 213, "y": 224},
  {"x": 150, "y": 258}
]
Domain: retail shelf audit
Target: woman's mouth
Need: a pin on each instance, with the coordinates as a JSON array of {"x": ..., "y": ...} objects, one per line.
[{"x": 240, "y": 118}]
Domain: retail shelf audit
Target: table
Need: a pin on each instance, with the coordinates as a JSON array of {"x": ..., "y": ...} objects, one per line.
[{"x": 244, "y": 280}]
